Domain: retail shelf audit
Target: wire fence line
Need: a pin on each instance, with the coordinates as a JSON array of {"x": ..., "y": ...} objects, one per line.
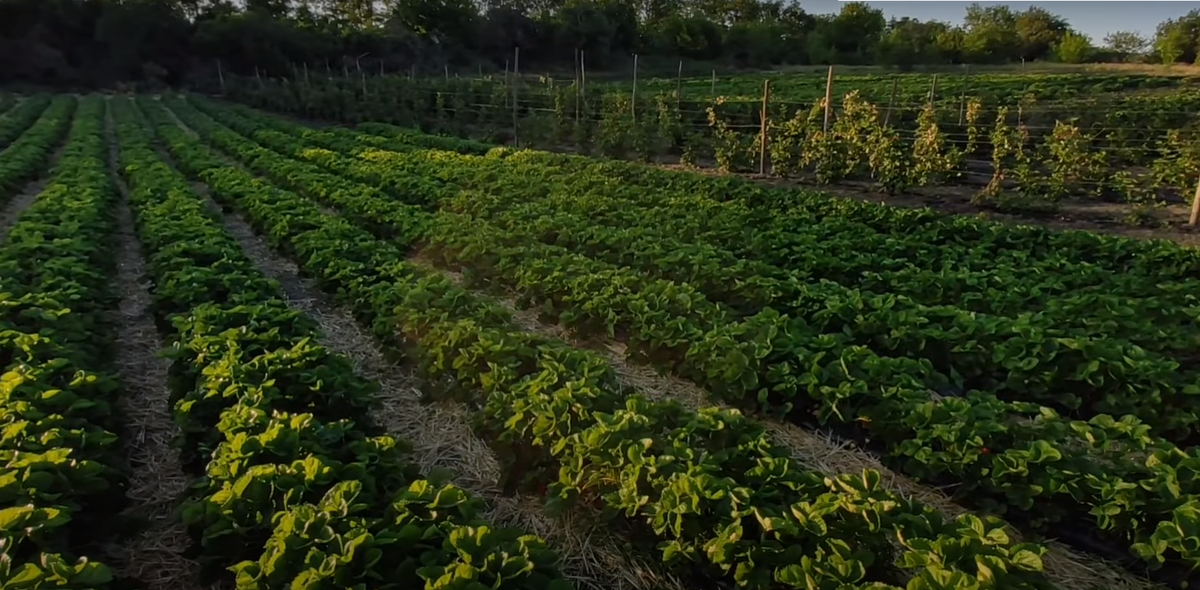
[{"x": 1025, "y": 154}]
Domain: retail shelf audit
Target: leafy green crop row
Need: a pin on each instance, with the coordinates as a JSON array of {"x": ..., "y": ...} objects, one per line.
[
  {"x": 1041, "y": 361},
  {"x": 702, "y": 488},
  {"x": 13, "y": 123},
  {"x": 1020, "y": 456},
  {"x": 979, "y": 266},
  {"x": 27, "y": 157},
  {"x": 341, "y": 139},
  {"x": 1032, "y": 358},
  {"x": 60, "y": 484},
  {"x": 298, "y": 490}
]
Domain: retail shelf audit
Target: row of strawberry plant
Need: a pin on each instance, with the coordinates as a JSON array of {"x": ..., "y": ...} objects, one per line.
[
  {"x": 1016, "y": 453},
  {"x": 28, "y": 156},
  {"x": 1096, "y": 380},
  {"x": 331, "y": 143},
  {"x": 1014, "y": 457},
  {"x": 929, "y": 231},
  {"x": 921, "y": 237},
  {"x": 1011, "y": 456},
  {"x": 14, "y": 122},
  {"x": 1069, "y": 370},
  {"x": 829, "y": 247},
  {"x": 297, "y": 488},
  {"x": 1001, "y": 272},
  {"x": 1080, "y": 372},
  {"x": 560, "y": 412},
  {"x": 346, "y": 140},
  {"x": 62, "y": 480},
  {"x": 378, "y": 135},
  {"x": 393, "y": 219}
]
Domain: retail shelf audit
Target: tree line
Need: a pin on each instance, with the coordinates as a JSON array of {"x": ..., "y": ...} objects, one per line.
[{"x": 101, "y": 42}]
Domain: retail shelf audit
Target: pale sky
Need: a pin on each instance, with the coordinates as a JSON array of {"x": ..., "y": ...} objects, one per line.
[{"x": 1093, "y": 18}]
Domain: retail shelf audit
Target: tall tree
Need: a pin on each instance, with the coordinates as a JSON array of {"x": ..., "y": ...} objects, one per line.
[
  {"x": 437, "y": 19},
  {"x": 1126, "y": 43},
  {"x": 1038, "y": 31},
  {"x": 1074, "y": 48},
  {"x": 1176, "y": 39},
  {"x": 991, "y": 33},
  {"x": 271, "y": 8},
  {"x": 908, "y": 42},
  {"x": 856, "y": 30}
]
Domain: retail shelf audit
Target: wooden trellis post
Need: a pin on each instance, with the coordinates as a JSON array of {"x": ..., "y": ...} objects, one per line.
[
  {"x": 582, "y": 84},
  {"x": 221, "y": 76},
  {"x": 679, "y": 85},
  {"x": 633, "y": 97},
  {"x": 828, "y": 98},
  {"x": 578, "y": 94},
  {"x": 887, "y": 116},
  {"x": 764, "y": 128},
  {"x": 516, "y": 84}
]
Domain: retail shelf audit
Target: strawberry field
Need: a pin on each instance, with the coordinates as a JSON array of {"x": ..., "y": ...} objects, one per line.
[{"x": 394, "y": 360}]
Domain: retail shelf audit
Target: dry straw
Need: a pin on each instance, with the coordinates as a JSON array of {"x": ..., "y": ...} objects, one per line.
[{"x": 155, "y": 555}]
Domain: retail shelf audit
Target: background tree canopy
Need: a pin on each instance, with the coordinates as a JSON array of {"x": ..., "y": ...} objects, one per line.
[{"x": 86, "y": 43}]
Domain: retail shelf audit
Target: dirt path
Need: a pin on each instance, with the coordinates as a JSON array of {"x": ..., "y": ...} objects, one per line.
[{"x": 155, "y": 555}]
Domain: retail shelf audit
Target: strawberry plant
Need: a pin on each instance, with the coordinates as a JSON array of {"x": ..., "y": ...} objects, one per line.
[
  {"x": 61, "y": 483},
  {"x": 15, "y": 122}
]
